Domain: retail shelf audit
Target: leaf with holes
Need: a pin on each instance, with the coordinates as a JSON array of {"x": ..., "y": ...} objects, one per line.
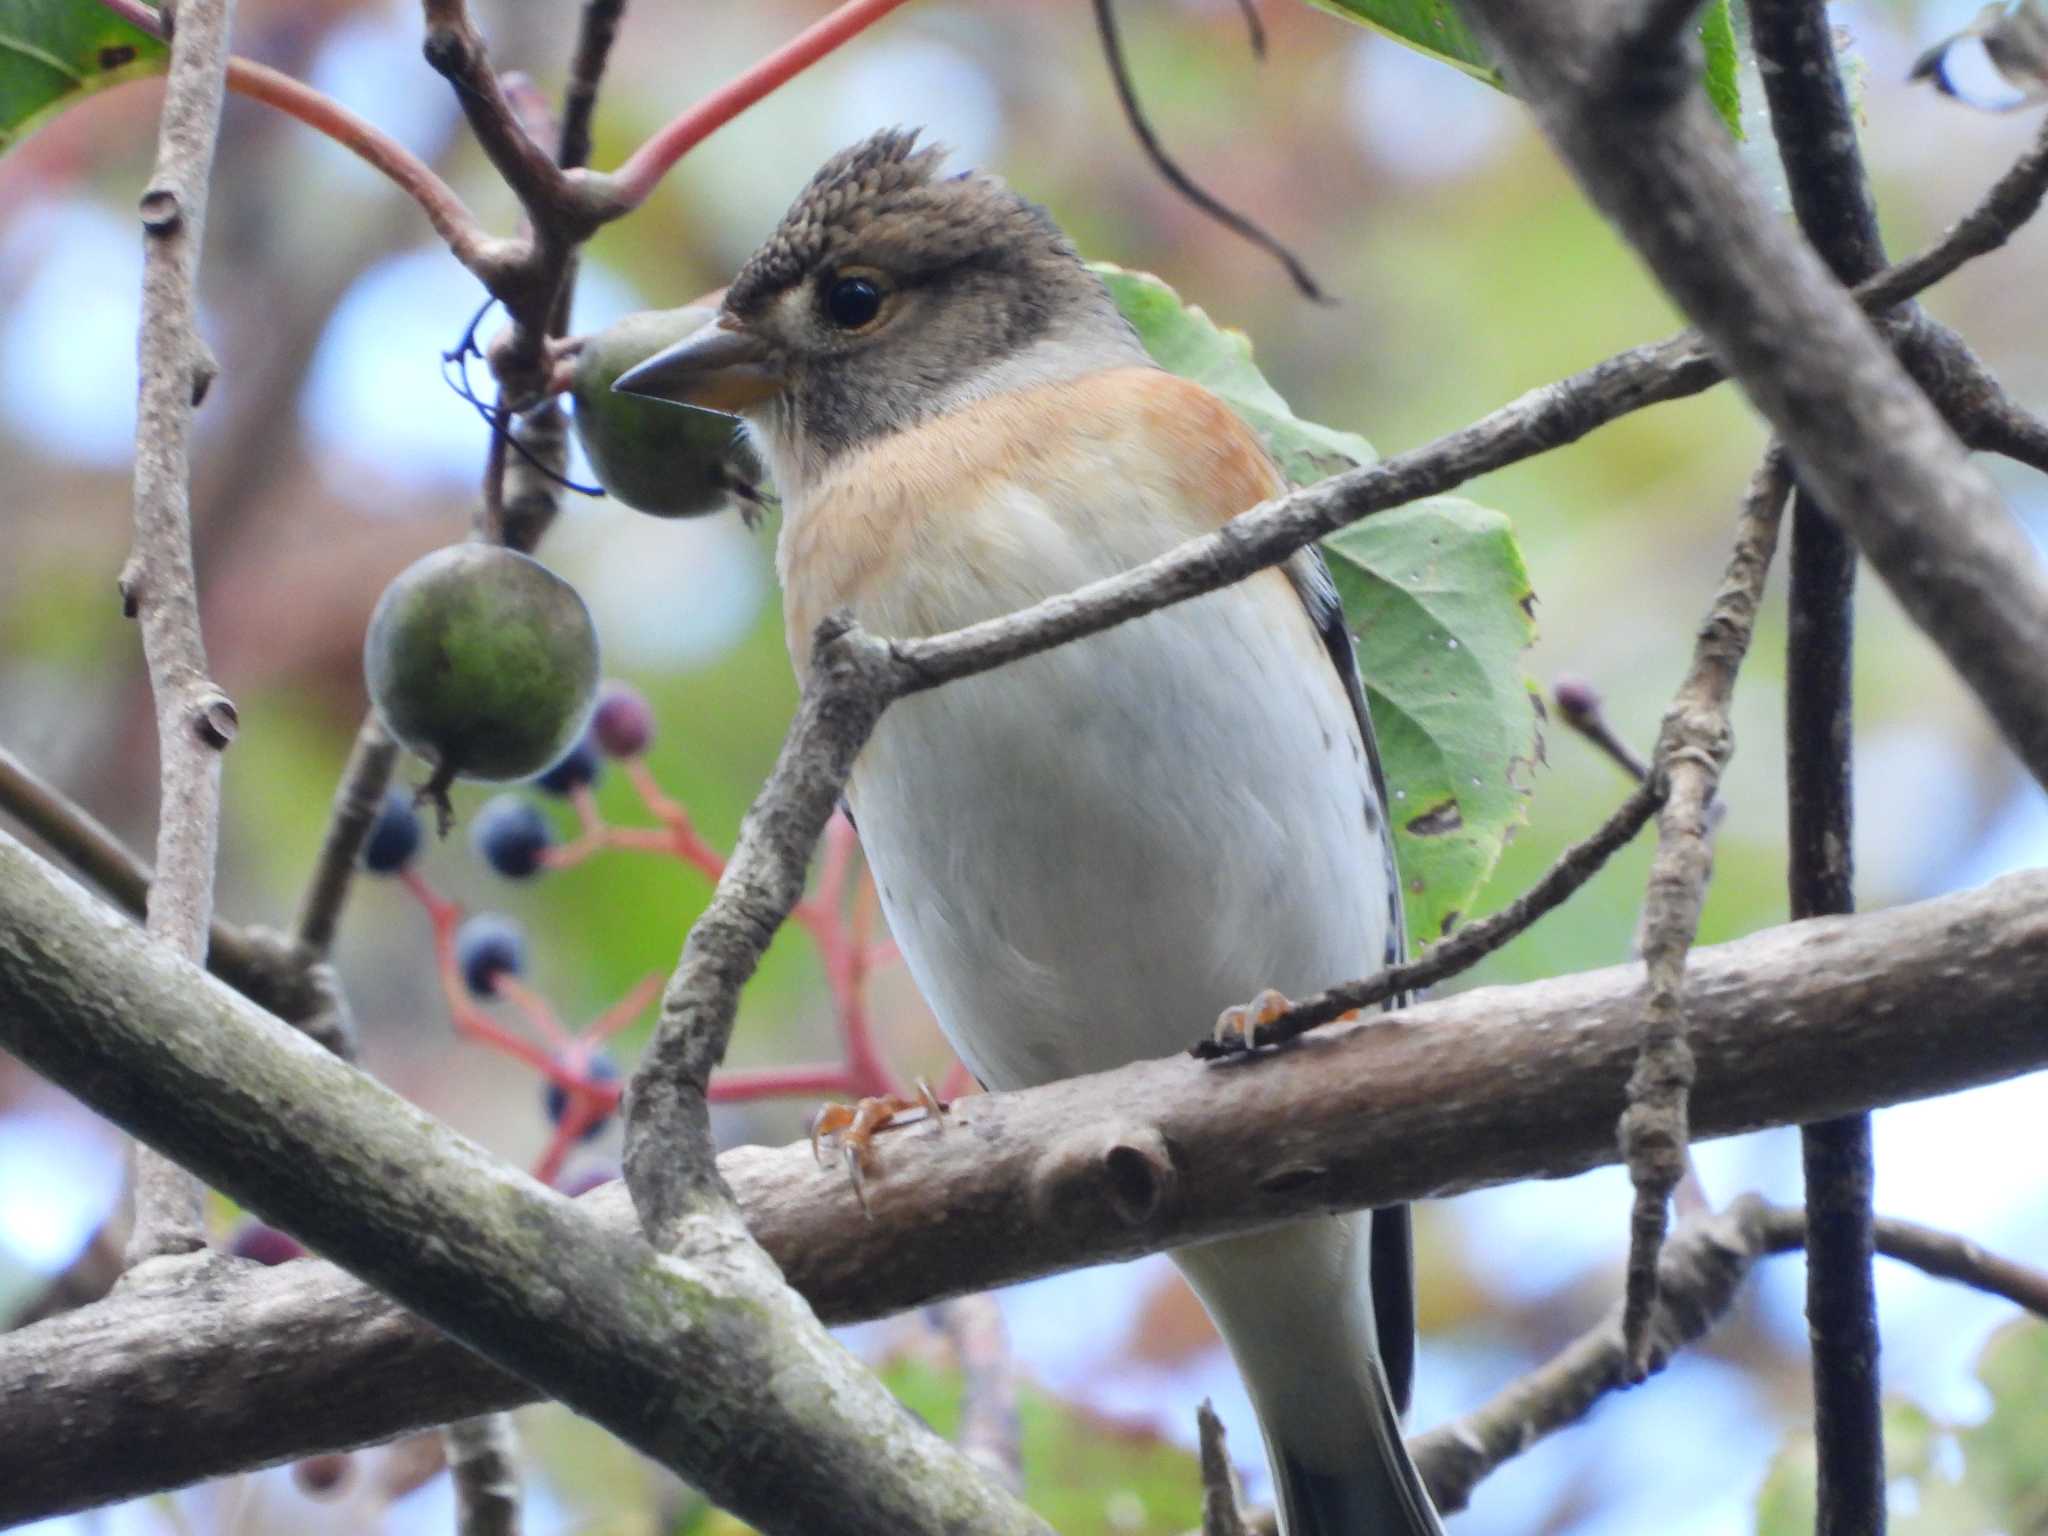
[
  {"x": 1439, "y": 599},
  {"x": 1441, "y": 604},
  {"x": 1435, "y": 28},
  {"x": 52, "y": 52}
]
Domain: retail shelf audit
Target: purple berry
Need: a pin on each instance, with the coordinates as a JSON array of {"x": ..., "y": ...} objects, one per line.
[
  {"x": 488, "y": 946},
  {"x": 575, "y": 770},
  {"x": 265, "y": 1244},
  {"x": 623, "y": 724},
  {"x": 1577, "y": 698},
  {"x": 510, "y": 835},
  {"x": 394, "y": 836},
  {"x": 323, "y": 1476},
  {"x": 599, "y": 1069}
]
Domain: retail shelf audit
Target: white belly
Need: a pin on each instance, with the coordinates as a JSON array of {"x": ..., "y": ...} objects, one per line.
[{"x": 1087, "y": 855}]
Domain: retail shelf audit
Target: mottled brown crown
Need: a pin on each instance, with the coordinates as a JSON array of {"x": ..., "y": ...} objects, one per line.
[{"x": 883, "y": 203}]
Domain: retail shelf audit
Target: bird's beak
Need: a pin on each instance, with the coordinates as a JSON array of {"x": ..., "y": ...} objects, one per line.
[{"x": 715, "y": 369}]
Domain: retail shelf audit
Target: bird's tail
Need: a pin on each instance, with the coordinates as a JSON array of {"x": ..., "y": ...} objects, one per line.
[{"x": 1295, "y": 1306}]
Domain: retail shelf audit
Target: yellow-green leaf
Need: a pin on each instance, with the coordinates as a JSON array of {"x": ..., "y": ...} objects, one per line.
[
  {"x": 1439, "y": 599},
  {"x": 52, "y": 52},
  {"x": 1435, "y": 28}
]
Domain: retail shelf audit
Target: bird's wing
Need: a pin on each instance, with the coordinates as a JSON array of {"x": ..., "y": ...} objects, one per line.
[{"x": 1393, "y": 1256}]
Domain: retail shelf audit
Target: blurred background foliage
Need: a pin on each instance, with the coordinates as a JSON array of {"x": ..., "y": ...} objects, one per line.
[{"x": 1469, "y": 270}]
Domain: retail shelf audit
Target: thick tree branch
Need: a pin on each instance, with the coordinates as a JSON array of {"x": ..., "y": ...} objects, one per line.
[
  {"x": 1816, "y": 134},
  {"x": 679, "y": 1355},
  {"x": 1491, "y": 1085},
  {"x": 1864, "y": 439},
  {"x": 194, "y": 720}
]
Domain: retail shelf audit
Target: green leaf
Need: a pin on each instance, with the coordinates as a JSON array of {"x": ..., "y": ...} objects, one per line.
[
  {"x": 1717, "y": 37},
  {"x": 1435, "y": 28},
  {"x": 54, "y": 51},
  {"x": 1439, "y": 599},
  {"x": 1441, "y": 604},
  {"x": 1184, "y": 340}
]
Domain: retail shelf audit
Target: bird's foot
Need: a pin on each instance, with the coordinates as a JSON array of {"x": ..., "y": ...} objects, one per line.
[
  {"x": 1238, "y": 1028},
  {"x": 852, "y": 1127}
]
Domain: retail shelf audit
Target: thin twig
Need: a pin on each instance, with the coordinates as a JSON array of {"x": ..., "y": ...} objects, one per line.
[
  {"x": 1222, "y": 1493},
  {"x": 1580, "y": 707},
  {"x": 633, "y": 182},
  {"x": 594, "y": 38},
  {"x": 988, "y": 1432},
  {"x": 1692, "y": 748},
  {"x": 444, "y": 209},
  {"x": 483, "y": 1457},
  {"x": 1700, "y": 1274},
  {"x": 195, "y": 719},
  {"x": 1470, "y": 944},
  {"x": 455, "y": 49},
  {"x": 1815, "y": 130},
  {"x": 357, "y": 800},
  {"x": 1170, "y": 170},
  {"x": 265, "y": 967}
]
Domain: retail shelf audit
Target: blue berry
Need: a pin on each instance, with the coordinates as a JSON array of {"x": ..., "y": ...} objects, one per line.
[
  {"x": 599, "y": 1069},
  {"x": 488, "y": 946},
  {"x": 510, "y": 835},
  {"x": 394, "y": 836},
  {"x": 623, "y": 724},
  {"x": 576, "y": 769}
]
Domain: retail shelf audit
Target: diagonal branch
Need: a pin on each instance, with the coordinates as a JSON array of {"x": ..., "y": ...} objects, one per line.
[
  {"x": 155, "y": 1389},
  {"x": 681, "y": 1356},
  {"x": 194, "y": 720},
  {"x": 1863, "y": 438}
]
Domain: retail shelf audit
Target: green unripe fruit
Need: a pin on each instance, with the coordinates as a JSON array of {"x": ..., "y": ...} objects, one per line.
[
  {"x": 483, "y": 662},
  {"x": 656, "y": 457}
]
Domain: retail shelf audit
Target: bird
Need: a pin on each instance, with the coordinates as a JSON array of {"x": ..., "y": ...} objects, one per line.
[{"x": 1086, "y": 854}]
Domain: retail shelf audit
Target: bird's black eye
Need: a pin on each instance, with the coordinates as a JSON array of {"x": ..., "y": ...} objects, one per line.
[{"x": 852, "y": 302}]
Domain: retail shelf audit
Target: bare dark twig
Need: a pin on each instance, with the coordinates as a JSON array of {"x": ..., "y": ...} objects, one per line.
[
  {"x": 1470, "y": 944},
  {"x": 357, "y": 800},
  {"x": 195, "y": 719},
  {"x": 1815, "y": 130},
  {"x": 1170, "y": 170},
  {"x": 1579, "y": 706},
  {"x": 594, "y": 38},
  {"x": 1692, "y": 748}
]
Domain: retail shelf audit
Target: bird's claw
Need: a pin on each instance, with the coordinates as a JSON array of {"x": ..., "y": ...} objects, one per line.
[
  {"x": 1237, "y": 1028},
  {"x": 852, "y": 1128}
]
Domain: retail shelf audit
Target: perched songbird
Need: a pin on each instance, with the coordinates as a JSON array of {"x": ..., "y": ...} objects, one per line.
[{"x": 1085, "y": 855}]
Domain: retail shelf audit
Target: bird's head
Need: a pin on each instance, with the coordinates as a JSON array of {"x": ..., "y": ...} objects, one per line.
[{"x": 889, "y": 294}]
